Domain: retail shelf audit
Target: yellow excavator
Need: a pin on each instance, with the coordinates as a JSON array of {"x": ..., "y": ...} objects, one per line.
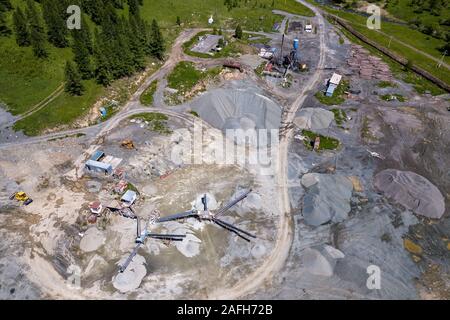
[{"x": 21, "y": 197}]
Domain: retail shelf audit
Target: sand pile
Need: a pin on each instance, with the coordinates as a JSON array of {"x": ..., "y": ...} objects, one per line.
[
  {"x": 412, "y": 191},
  {"x": 327, "y": 198},
  {"x": 238, "y": 109},
  {"x": 314, "y": 118}
]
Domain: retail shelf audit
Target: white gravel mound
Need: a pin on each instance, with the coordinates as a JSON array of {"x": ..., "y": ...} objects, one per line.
[
  {"x": 412, "y": 191},
  {"x": 92, "y": 240},
  {"x": 314, "y": 119},
  {"x": 327, "y": 198},
  {"x": 132, "y": 277}
]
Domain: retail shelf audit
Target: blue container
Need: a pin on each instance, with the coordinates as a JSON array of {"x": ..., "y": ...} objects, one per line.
[
  {"x": 296, "y": 44},
  {"x": 103, "y": 112}
]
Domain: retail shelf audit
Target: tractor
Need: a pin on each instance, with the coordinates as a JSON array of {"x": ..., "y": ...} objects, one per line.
[{"x": 21, "y": 197}]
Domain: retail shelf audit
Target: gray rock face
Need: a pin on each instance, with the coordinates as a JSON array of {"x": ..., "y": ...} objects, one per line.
[
  {"x": 411, "y": 191},
  {"x": 314, "y": 119},
  {"x": 327, "y": 198}
]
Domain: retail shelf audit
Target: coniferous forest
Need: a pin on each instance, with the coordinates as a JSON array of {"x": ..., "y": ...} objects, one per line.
[{"x": 108, "y": 46}]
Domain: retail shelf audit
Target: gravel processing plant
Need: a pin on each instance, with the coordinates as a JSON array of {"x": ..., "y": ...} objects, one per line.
[{"x": 158, "y": 202}]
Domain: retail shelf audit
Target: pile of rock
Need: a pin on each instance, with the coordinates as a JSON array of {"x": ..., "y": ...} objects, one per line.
[{"x": 368, "y": 67}]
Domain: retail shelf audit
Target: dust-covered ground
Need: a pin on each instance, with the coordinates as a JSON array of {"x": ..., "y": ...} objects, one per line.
[
  {"x": 370, "y": 219},
  {"x": 50, "y": 249},
  {"x": 384, "y": 228}
]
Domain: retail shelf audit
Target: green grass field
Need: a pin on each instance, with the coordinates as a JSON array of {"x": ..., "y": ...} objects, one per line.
[
  {"x": 185, "y": 76},
  {"x": 147, "y": 96},
  {"x": 62, "y": 111},
  {"x": 407, "y": 35},
  {"x": 337, "y": 97},
  {"x": 327, "y": 143}
]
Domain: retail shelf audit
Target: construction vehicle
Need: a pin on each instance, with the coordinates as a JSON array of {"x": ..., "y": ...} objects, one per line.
[
  {"x": 21, "y": 197},
  {"x": 128, "y": 144}
]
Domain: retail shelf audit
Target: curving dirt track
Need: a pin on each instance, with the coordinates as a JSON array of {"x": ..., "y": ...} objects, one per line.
[{"x": 285, "y": 233}]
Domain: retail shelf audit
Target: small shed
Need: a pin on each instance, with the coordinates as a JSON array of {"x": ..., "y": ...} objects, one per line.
[
  {"x": 96, "y": 207},
  {"x": 333, "y": 84},
  {"x": 129, "y": 197},
  {"x": 96, "y": 166}
]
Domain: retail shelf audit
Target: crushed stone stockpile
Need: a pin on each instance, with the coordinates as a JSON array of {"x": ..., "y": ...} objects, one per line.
[
  {"x": 412, "y": 191},
  {"x": 238, "y": 109},
  {"x": 321, "y": 261},
  {"x": 327, "y": 198},
  {"x": 314, "y": 118}
]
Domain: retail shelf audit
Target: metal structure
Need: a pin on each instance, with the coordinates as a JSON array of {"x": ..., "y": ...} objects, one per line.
[
  {"x": 142, "y": 236},
  {"x": 207, "y": 215}
]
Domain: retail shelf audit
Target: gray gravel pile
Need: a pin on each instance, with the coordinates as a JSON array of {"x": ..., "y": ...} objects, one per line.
[
  {"x": 314, "y": 118},
  {"x": 327, "y": 198},
  {"x": 412, "y": 191},
  {"x": 238, "y": 109}
]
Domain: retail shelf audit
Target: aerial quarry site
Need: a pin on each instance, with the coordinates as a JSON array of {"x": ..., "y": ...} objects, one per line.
[{"x": 270, "y": 151}]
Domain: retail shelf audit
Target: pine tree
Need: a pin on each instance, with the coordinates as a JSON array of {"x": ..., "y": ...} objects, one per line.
[
  {"x": 238, "y": 33},
  {"x": 21, "y": 28},
  {"x": 102, "y": 71},
  {"x": 37, "y": 35},
  {"x": 56, "y": 26},
  {"x": 178, "y": 21},
  {"x": 134, "y": 7},
  {"x": 38, "y": 43},
  {"x": 73, "y": 84},
  {"x": 5, "y": 6},
  {"x": 4, "y": 29},
  {"x": 136, "y": 47},
  {"x": 156, "y": 41},
  {"x": 81, "y": 55}
]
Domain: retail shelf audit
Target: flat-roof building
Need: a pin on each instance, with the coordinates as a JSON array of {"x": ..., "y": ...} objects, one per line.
[{"x": 96, "y": 166}]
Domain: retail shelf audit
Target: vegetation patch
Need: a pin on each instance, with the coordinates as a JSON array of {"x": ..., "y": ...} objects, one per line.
[
  {"x": 157, "y": 121},
  {"x": 337, "y": 97},
  {"x": 194, "y": 113},
  {"x": 147, "y": 96},
  {"x": 326, "y": 143},
  {"x": 392, "y": 97},
  {"x": 386, "y": 84},
  {"x": 340, "y": 116},
  {"x": 186, "y": 81}
]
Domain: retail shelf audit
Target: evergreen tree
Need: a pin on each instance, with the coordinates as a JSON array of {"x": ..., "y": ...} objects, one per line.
[
  {"x": 102, "y": 71},
  {"x": 156, "y": 41},
  {"x": 136, "y": 47},
  {"x": 21, "y": 28},
  {"x": 56, "y": 25},
  {"x": 4, "y": 30},
  {"x": 81, "y": 55},
  {"x": 238, "y": 33},
  {"x": 37, "y": 40},
  {"x": 85, "y": 35},
  {"x": 134, "y": 7},
  {"x": 73, "y": 84},
  {"x": 5, "y": 6},
  {"x": 37, "y": 35},
  {"x": 178, "y": 21}
]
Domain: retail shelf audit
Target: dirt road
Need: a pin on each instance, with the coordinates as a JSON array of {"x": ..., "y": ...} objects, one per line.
[{"x": 276, "y": 260}]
